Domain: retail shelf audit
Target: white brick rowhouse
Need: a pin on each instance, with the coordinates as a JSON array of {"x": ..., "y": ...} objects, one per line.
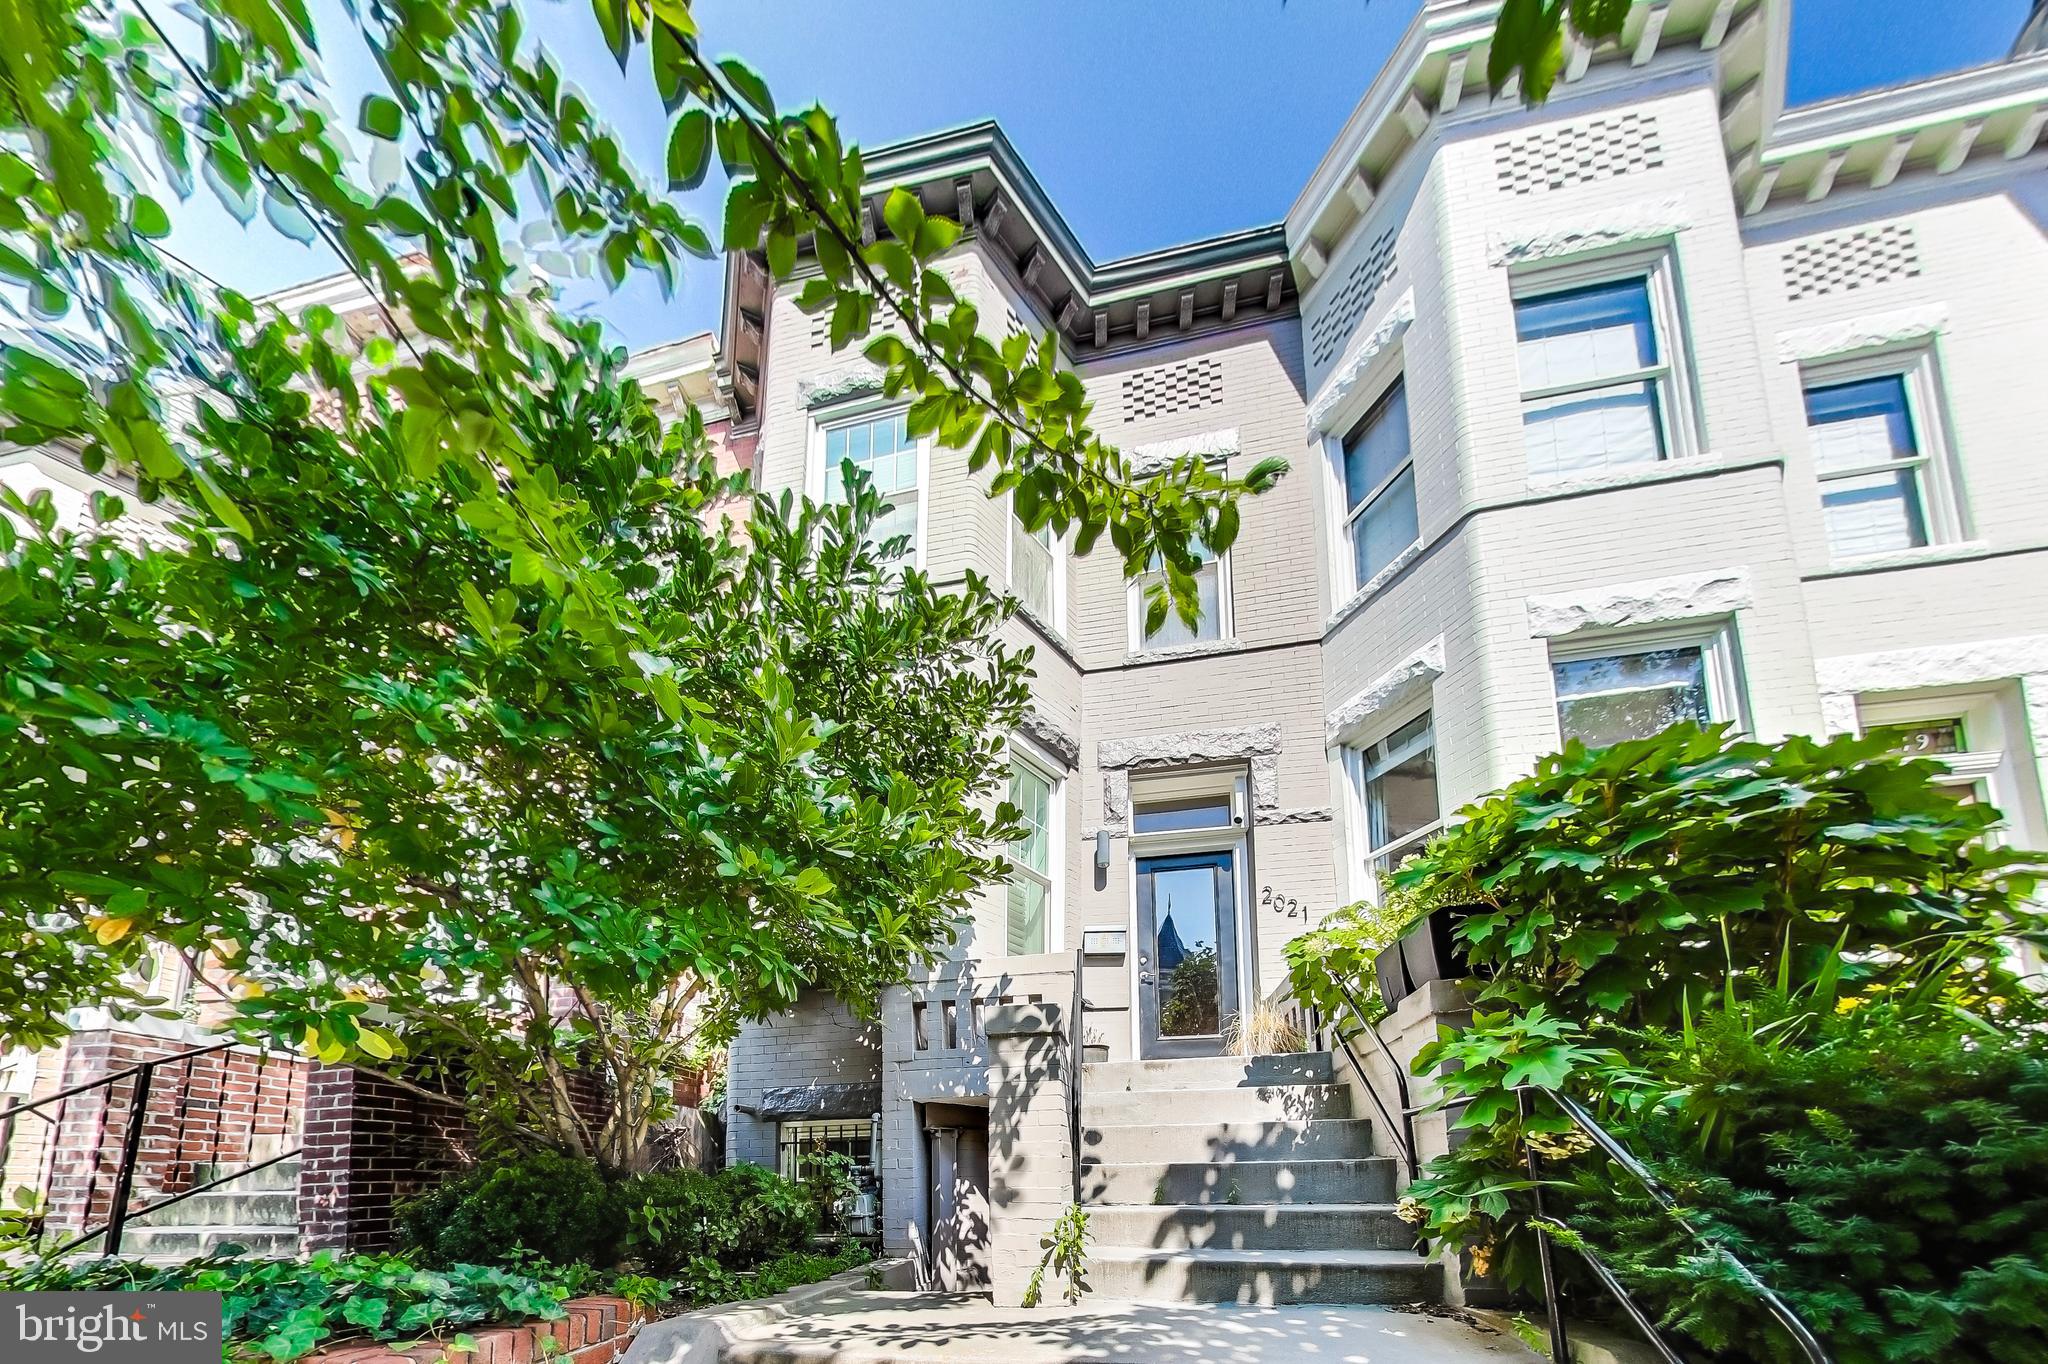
[{"x": 1657, "y": 401}]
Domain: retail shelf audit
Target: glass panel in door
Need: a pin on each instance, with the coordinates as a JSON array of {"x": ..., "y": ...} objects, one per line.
[{"x": 1187, "y": 953}]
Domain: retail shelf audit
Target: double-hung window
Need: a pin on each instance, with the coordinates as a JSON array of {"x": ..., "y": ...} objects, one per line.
[
  {"x": 1879, "y": 478},
  {"x": 1397, "y": 785},
  {"x": 880, "y": 447},
  {"x": 1033, "y": 862},
  {"x": 1611, "y": 691},
  {"x": 1598, "y": 389},
  {"x": 1379, "y": 486},
  {"x": 1212, "y": 593},
  {"x": 1034, "y": 570}
]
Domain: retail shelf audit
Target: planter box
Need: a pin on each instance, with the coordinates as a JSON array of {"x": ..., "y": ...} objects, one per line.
[{"x": 1426, "y": 952}]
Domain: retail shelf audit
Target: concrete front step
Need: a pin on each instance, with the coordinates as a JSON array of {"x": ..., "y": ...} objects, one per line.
[
  {"x": 182, "y": 1243},
  {"x": 228, "y": 1208},
  {"x": 1264, "y": 1278},
  {"x": 1208, "y": 1072},
  {"x": 1132, "y": 1108},
  {"x": 1369, "y": 1179},
  {"x": 1315, "y": 1139},
  {"x": 1299, "y": 1226}
]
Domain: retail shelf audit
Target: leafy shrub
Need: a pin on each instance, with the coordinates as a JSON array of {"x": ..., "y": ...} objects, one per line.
[
  {"x": 281, "y": 1309},
  {"x": 707, "y": 1281},
  {"x": 552, "y": 1205},
  {"x": 828, "y": 1178},
  {"x": 1885, "y": 1174},
  {"x": 1783, "y": 973},
  {"x": 1336, "y": 955},
  {"x": 1619, "y": 883},
  {"x": 737, "y": 1217}
]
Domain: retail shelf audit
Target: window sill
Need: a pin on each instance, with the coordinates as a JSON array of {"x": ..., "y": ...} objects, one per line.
[
  {"x": 1176, "y": 652},
  {"x": 1373, "y": 587},
  {"x": 1954, "y": 551},
  {"x": 1630, "y": 475}
]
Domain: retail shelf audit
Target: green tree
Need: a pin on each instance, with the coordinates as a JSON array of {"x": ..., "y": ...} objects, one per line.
[
  {"x": 445, "y": 719},
  {"x": 1528, "y": 39}
]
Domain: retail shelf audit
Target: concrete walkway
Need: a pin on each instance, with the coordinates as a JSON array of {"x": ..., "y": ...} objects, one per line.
[{"x": 849, "y": 1324}]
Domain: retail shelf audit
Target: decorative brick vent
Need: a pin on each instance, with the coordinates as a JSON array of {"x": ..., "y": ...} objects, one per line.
[
  {"x": 1598, "y": 149},
  {"x": 1362, "y": 285},
  {"x": 596, "y": 1331},
  {"x": 1184, "y": 387},
  {"x": 1851, "y": 260}
]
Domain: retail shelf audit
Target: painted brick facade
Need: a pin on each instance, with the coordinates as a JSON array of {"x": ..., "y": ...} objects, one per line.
[{"x": 1408, "y": 249}]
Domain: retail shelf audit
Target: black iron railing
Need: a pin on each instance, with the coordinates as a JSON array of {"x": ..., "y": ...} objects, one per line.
[
  {"x": 1612, "y": 1148},
  {"x": 172, "y": 1122},
  {"x": 1398, "y": 1116}
]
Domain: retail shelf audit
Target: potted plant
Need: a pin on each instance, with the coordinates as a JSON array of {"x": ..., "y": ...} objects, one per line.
[{"x": 1424, "y": 946}]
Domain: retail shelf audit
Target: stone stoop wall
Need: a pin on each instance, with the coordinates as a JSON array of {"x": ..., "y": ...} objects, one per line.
[
  {"x": 226, "y": 1108},
  {"x": 596, "y": 1331},
  {"x": 1031, "y": 1154},
  {"x": 947, "y": 1070}
]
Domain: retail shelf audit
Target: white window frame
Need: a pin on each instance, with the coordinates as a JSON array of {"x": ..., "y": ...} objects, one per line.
[
  {"x": 1345, "y": 519},
  {"x": 1135, "y": 613},
  {"x": 1366, "y": 880},
  {"x": 1677, "y": 406},
  {"x": 1933, "y": 468},
  {"x": 1996, "y": 756},
  {"x": 859, "y": 412},
  {"x": 1024, "y": 753},
  {"x": 1721, "y": 660},
  {"x": 1012, "y": 526}
]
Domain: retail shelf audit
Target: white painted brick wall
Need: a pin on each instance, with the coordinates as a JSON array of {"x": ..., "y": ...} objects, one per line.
[{"x": 1747, "y": 503}]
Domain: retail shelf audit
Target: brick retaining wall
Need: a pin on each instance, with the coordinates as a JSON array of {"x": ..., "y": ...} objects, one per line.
[{"x": 596, "y": 1331}]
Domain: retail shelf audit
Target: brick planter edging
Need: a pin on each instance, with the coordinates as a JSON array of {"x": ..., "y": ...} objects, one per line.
[{"x": 595, "y": 1331}]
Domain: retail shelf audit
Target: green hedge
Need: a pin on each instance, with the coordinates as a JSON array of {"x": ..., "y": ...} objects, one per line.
[{"x": 563, "y": 1210}]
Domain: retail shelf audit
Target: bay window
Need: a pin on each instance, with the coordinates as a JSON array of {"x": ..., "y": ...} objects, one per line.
[
  {"x": 1398, "y": 792},
  {"x": 1632, "y": 687},
  {"x": 1876, "y": 455},
  {"x": 1600, "y": 390},
  {"x": 1379, "y": 487}
]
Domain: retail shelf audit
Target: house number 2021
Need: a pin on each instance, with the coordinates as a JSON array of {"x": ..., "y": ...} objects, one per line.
[{"x": 1286, "y": 906}]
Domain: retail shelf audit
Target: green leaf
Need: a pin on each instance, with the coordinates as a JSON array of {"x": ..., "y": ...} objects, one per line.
[
  {"x": 749, "y": 85},
  {"x": 904, "y": 214},
  {"x": 148, "y": 219},
  {"x": 689, "y": 149},
  {"x": 381, "y": 117},
  {"x": 285, "y": 215}
]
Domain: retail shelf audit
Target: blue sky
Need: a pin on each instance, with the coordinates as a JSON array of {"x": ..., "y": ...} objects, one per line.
[{"x": 1148, "y": 121}]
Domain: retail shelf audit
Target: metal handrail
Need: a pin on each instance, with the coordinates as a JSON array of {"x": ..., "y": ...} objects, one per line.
[
  {"x": 1400, "y": 1130},
  {"x": 113, "y": 1076},
  {"x": 1611, "y": 1146},
  {"x": 142, "y": 1074}
]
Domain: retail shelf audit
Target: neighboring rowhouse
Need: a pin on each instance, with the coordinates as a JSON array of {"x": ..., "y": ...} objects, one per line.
[{"x": 1658, "y": 402}]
